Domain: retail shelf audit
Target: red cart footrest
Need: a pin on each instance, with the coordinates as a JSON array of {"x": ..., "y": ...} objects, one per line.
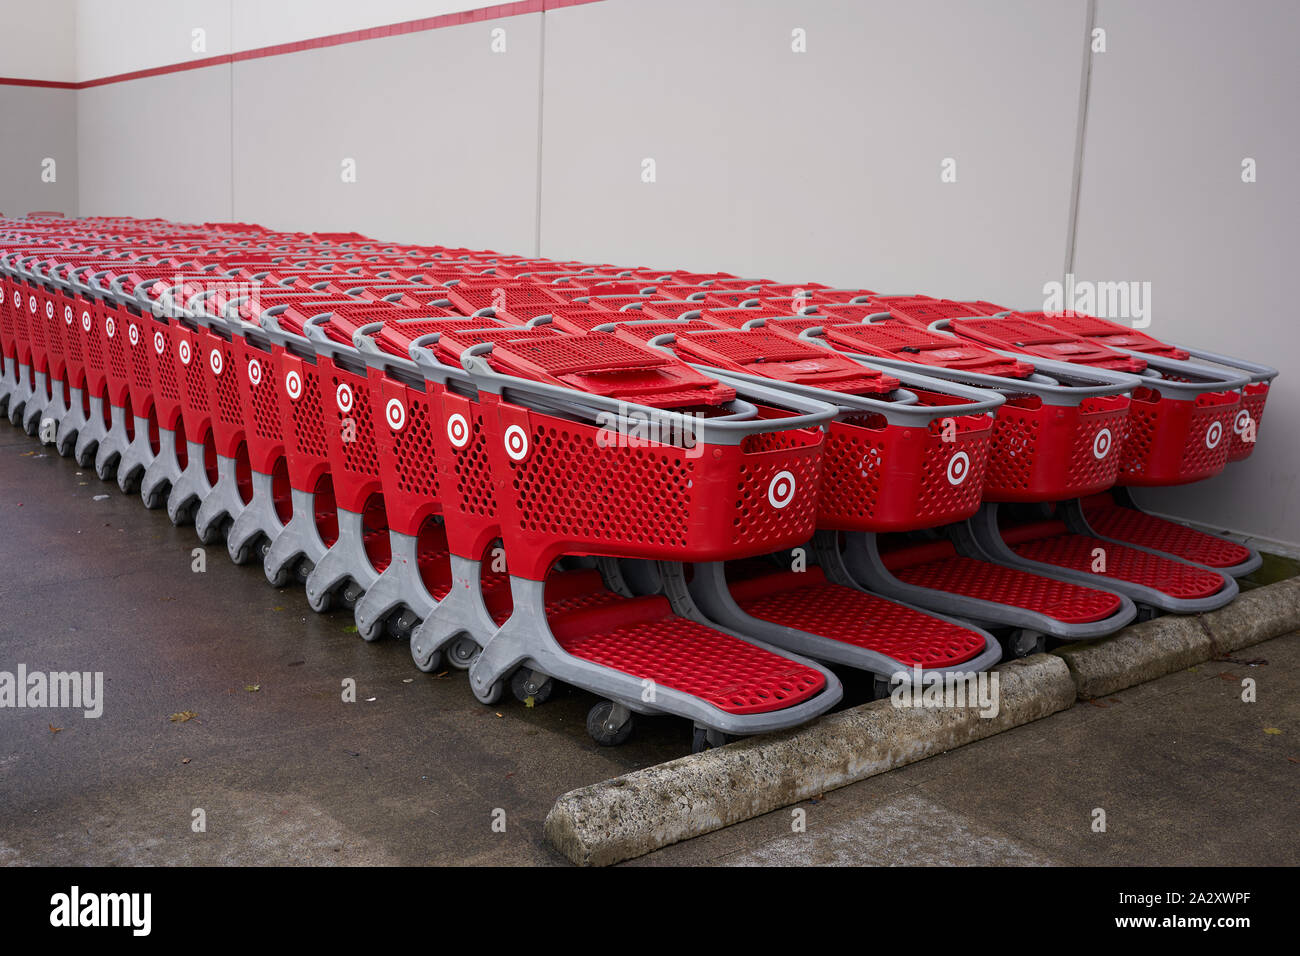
[
  {"x": 643, "y": 637},
  {"x": 1050, "y": 542},
  {"x": 1148, "y": 531},
  {"x": 806, "y": 601},
  {"x": 938, "y": 566}
]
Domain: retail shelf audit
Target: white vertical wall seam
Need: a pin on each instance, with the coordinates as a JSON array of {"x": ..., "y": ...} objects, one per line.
[{"x": 1081, "y": 128}]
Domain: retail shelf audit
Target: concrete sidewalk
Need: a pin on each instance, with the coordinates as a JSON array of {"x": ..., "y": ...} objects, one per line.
[
  {"x": 289, "y": 773},
  {"x": 1186, "y": 773}
]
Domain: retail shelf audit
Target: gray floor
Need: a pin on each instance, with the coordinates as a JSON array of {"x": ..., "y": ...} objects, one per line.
[{"x": 289, "y": 773}]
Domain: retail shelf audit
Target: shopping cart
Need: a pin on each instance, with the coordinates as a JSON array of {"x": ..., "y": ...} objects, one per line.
[
  {"x": 1054, "y": 441},
  {"x": 905, "y": 451},
  {"x": 557, "y": 410}
]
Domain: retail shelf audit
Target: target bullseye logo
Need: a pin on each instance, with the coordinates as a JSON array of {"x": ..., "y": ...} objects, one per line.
[
  {"x": 255, "y": 372},
  {"x": 133, "y": 334},
  {"x": 1241, "y": 421},
  {"x": 31, "y": 304},
  {"x": 458, "y": 430},
  {"x": 110, "y": 327},
  {"x": 293, "y": 385},
  {"x": 18, "y": 299},
  {"x": 780, "y": 490},
  {"x": 67, "y": 314},
  {"x": 159, "y": 343},
  {"x": 958, "y": 468},
  {"x": 184, "y": 351},
  {"x": 343, "y": 396},
  {"x": 49, "y": 310},
  {"x": 1101, "y": 444},
  {"x": 395, "y": 413},
  {"x": 85, "y": 321},
  {"x": 215, "y": 361},
  {"x": 516, "y": 443},
  {"x": 1213, "y": 435}
]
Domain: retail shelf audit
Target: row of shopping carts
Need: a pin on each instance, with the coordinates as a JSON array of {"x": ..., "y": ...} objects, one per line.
[{"x": 687, "y": 493}]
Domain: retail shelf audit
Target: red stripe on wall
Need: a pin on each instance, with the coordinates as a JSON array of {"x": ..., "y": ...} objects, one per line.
[{"x": 337, "y": 39}]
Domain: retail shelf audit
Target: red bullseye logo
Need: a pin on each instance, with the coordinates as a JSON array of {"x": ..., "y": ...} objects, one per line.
[
  {"x": 516, "y": 443},
  {"x": 159, "y": 343},
  {"x": 1101, "y": 444},
  {"x": 1213, "y": 435},
  {"x": 85, "y": 321},
  {"x": 215, "y": 362},
  {"x": 133, "y": 334},
  {"x": 49, "y": 310},
  {"x": 293, "y": 385},
  {"x": 780, "y": 490},
  {"x": 958, "y": 468},
  {"x": 255, "y": 372},
  {"x": 18, "y": 300},
  {"x": 67, "y": 314},
  {"x": 1242, "y": 420},
  {"x": 110, "y": 327},
  {"x": 184, "y": 351},
  {"x": 31, "y": 304},
  {"x": 395, "y": 412},
  {"x": 458, "y": 430},
  {"x": 343, "y": 397}
]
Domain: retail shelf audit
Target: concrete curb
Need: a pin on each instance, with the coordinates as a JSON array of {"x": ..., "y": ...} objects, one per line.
[
  {"x": 1164, "y": 645},
  {"x": 648, "y": 809},
  {"x": 642, "y": 811}
]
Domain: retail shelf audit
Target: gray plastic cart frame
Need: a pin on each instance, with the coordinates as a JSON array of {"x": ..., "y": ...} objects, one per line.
[{"x": 298, "y": 546}]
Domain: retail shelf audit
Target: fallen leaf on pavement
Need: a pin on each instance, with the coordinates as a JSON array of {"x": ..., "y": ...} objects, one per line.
[{"x": 183, "y": 716}]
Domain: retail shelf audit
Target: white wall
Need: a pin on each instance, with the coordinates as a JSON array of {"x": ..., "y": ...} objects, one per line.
[
  {"x": 123, "y": 36},
  {"x": 39, "y": 142},
  {"x": 158, "y": 146},
  {"x": 442, "y": 130},
  {"x": 39, "y": 40},
  {"x": 822, "y": 165},
  {"x": 1187, "y": 89}
]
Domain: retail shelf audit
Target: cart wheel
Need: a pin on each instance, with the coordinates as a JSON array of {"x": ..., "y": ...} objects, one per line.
[
  {"x": 492, "y": 695},
  {"x": 304, "y": 569},
  {"x": 429, "y": 666},
  {"x": 524, "y": 685},
  {"x": 131, "y": 484},
  {"x": 155, "y": 498},
  {"x": 107, "y": 470},
  {"x": 351, "y": 594},
  {"x": 399, "y": 626},
  {"x": 598, "y": 725},
  {"x": 321, "y": 603},
  {"x": 705, "y": 739},
  {"x": 241, "y": 555},
  {"x": 462, "y": 652},
  {"x": 371, "y": 633},
  {"x": 279, "y": 579}
]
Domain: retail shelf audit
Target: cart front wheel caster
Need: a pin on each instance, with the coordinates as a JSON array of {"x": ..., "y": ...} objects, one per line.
[
  {"x": 350, "y": 595},
  {"x": 279, "y": 579},
  {"x": 525, "y": 684},
  {"x": 370, "y": 632},
  {"x": 492, "y": 694},
  {"x": 399, "y": 626},
  {"x": 320, "y": 603},
  {"x": 609, "y": 724},
  {"x": 426, "y": 664},
  {"x": 155, "y": 498},
  {"x": 462, "y": 652}
]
